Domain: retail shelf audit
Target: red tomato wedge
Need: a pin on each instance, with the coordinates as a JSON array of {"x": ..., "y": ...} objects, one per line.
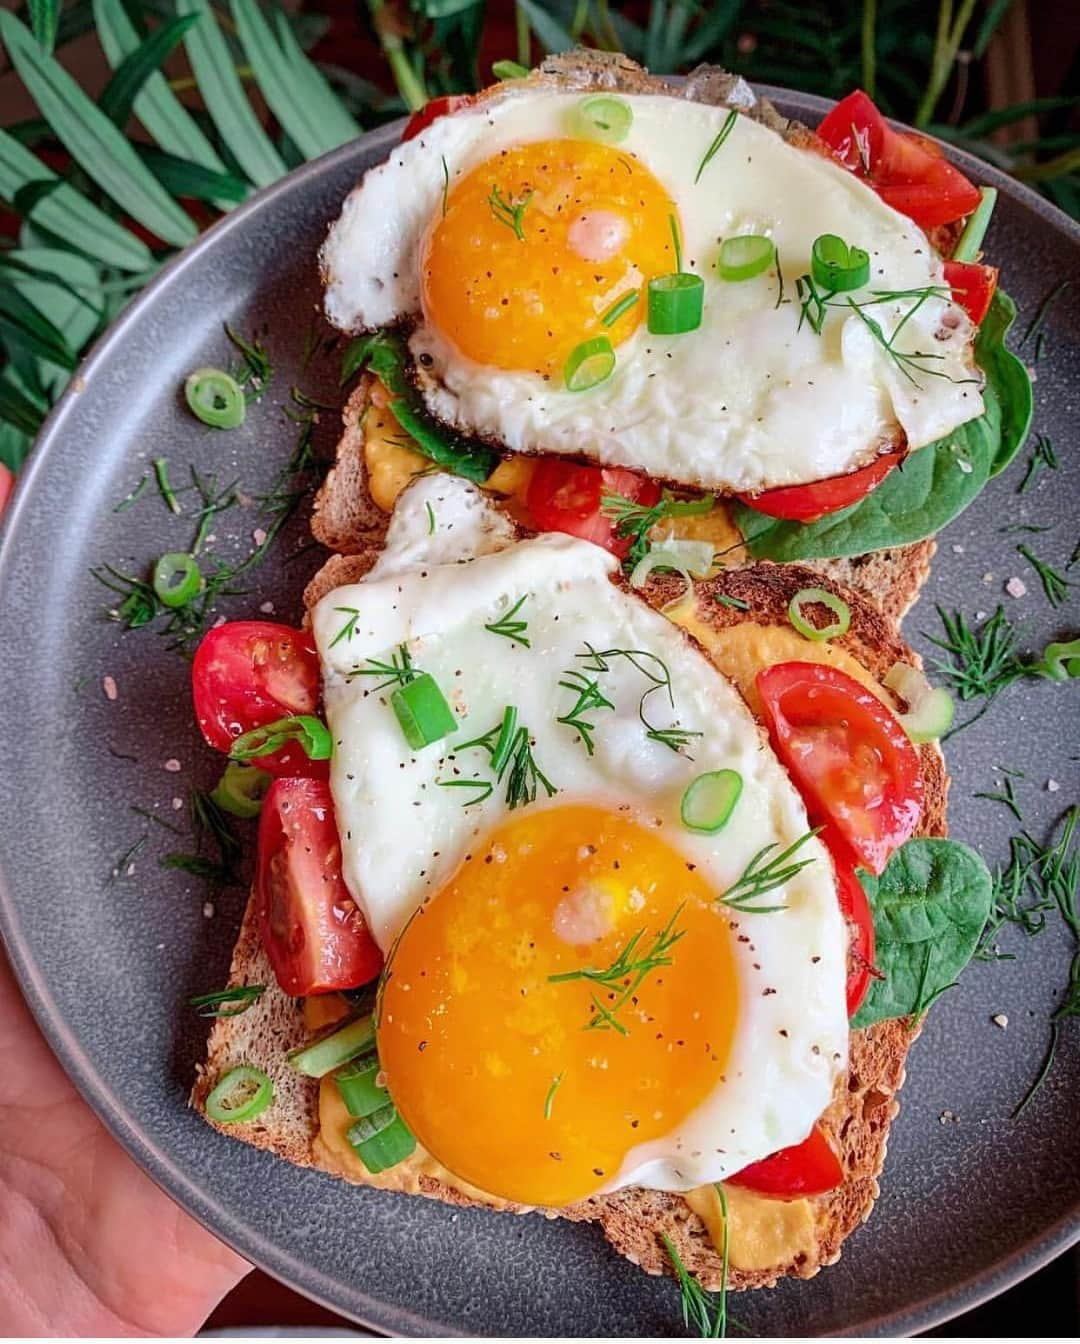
[
  {"x": 437, "y": 107},
  {"x": 856, "y": 910},
  {"x": 566, "y": 497},
  {"x": 907, "y": 171},
  {"x": 972, "y": 287},
  {"x": 247, "y": 673},
  {"x": 808, "y": 503},
  {"x": 849, "y": 757},
  {"x": 807, "y": 1168},
  {"x": 312, "y": 930},
  {"x": 7, "y": 486}
]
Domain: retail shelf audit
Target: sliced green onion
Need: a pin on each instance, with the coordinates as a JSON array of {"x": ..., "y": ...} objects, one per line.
[
  {"x": 422, "y": 711},
  {"x": 177, "y": 579},
  {"x": 806, "y": 628},
  {"x": 743, "y": 257},
  {"x": 611, "y": 315},
  {"x": 930, "y": 711},
  {"x": 241, "y": 1095},
  {"x": 589, "y": 364},
  {"x": 1059, "y": 661},
  {"x": 382, "y": 1139},
  {"x": 676, "y": 303},
  {"x": 685, "y": 558},
  {"x": 241, "y": 789},
  {"x": 216, "y": 398},
  {"x": 710, "y": 800},
  {"x": 311, "y": 733},
  {"x": 969, "y": 242},
  {"x": 359, "y": 1090},
  {"x": 688, "y": 508},
  {"x": 603, "y": 117},
  {"x": 508, "y": 70},
  {"x": 323, "y": 1057},
  {"x": 836, "y": 266}
]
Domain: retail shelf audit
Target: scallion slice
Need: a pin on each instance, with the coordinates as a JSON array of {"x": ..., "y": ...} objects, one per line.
[
  {"x": 684, "y": 558},
  {"x": 311, "y": 733},
  {"x": 806, "y": 628},
  {"x": 930, "y": 710},
  {"x": 836, "y": 266},
  {"x": 241, "y": 789},
  {"x": 508, "y": 70},
  {"x": 743, "y": 257},
  {"x": 323, "y": 1057},
  {"x": 1060, "y": 661},
  {"x": 589, "y": 364},
  {"x": 356, "y": 1083},
  {"x": 603, "y": 118},
  {"x": 422, "y": 711},
  {"x": 710, "y": 800},
  {"x": 676, "y": 302},
  {"x": 240, "y": 1095},
  {"x": 382, "y": 1139},
  {"x": 969, "y": 242},
  {"x": 177, "y": 579},
  {"x": 622, "y": 305},
  {"x": 216, "y": 398}
]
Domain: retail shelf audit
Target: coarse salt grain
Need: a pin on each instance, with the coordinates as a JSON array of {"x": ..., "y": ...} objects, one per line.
[
  {"x": 258, "y": 536},
  {"x": 1052, "y": 786},
  {"x": 177, "y": 803},
  {"x": 173, "y": 766},
  {"x": 1016, "y": 587},
  {"x": 1000, "y": 1020},
  {"x": 267, "y": 608},
  {"x": 208, "y": 910},
  {"x": 108, "y": 685}
]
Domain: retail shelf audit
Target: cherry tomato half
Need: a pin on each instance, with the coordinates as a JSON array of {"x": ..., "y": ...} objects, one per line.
[
  {"x": 973, "y": 287},
  {"x": 808, "y": 503},
  {"x": 247, "y": 673},
  {"x": 312, "y": 930},
  {"x": 437, "y": 107},
  {"x": 860, "y": 920},
  {"x": 807, "y": 1168},
  {"x": 566, "y": 497},
  {"x": 849, "y": 757}
]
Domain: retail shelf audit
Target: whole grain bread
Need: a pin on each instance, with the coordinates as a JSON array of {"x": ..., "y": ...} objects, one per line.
[{"x": 865, "y": 1100}]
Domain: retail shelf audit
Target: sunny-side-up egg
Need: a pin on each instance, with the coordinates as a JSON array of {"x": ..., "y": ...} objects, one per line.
[
  {"x": 508, "y": 241},
  {"x": 580, "y": 993}
]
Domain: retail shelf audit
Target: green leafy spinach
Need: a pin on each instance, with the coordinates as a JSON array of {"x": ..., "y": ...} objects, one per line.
[
  {"x": 933, "y": 485},
  {"x": 930, "y": 905}
]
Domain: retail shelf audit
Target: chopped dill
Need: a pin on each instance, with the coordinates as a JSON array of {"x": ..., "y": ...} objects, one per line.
[
  {"x": 711, "y": 152},
  {"x": 760, "y": 876},
  {"x": 509, "y": 211},
  {"x": 1056, "y": 586},
  {"x": 1043, "y": 456}
]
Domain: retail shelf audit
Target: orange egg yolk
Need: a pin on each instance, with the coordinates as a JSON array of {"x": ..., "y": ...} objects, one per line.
[
  {"x": 536, "y": 244},
  {"x": 536, "y": 1088}
]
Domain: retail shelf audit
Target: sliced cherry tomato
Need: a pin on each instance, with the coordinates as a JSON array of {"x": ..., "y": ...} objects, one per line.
[
  {"x": 849, "y": 757},
  {"x": 856, "y": 910},
  {"x": 973, "y": 287},
  {"x": 7, "y": 486},
  {"x": 247, "y": 673},
  {"x": 437, "y": 107},
  {"x": 808, "y": 503},
  {"x": 907, "y": 171},
  {"x": 807, "y": 1168},
  {"x": 565, "y": 497},
  {"x": 312, "y": 929}
]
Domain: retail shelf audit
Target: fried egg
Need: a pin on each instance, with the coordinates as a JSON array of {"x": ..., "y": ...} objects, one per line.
[
  {"x": 505, "y": 241},
  {"x": 570, "y": 1006}
]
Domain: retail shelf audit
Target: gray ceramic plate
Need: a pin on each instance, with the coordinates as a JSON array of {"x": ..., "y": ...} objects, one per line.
[{"x": 969, "y": 1206}]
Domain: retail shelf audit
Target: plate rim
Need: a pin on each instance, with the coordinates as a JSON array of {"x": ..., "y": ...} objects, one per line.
[{"x": 305, "y": 1277}]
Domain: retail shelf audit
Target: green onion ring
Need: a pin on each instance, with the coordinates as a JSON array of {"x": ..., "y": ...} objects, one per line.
[
  {"x": 311, "y": 733},
  {"x": 223, "y": 1105},
  {"x": 744, "y": 256},
  {"x": 819, "y": 634},
  {"x": 710, "y": 800},
  {"x": 589, "y": 364},
  {"x": 422, "y": 711},
  {"x": 330, "y": 1052},
  {"x": 676, "y": 302},
  {"x": 177, "y": 579},
  {"x": 930, "y": 711},
  {"x": 603, "y": 118},
  {"x": 1060, "y": 661},
  {"x": 216, "y": 398},
  {"x": 838, "y": 267},
  {"x": 241, "y": 789}
]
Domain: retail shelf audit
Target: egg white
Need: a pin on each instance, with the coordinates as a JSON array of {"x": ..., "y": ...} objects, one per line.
[
  {"x": 747, "y": 401},
  {"x": 403, "y": 836}
]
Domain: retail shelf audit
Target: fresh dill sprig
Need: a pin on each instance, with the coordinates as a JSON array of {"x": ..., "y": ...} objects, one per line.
[
  {"x": 123, "y": 863},
  {"x": 445, "y": 184},
  {"x": 214, "y": 1004},
  {"x": 482, "y": 789},
  {"x": 1038, "y": 322},
  {"x": 508, "y": 627},
  {"x": 399, "y": 671},
  {"x": 349, "y": 628},
  {"x": 634, "y": 521},
  {"x": 673, "y": 737},
  {"x": 676, "y": 241},
  {"x": 549, "y": 1100},
  {"x": 509, "y": 211},
  {"x": 624, "y": 977},
  {"x": 701, "y": 1310},
  {"x": 1007, "y": 798},
  {"x": 589, "y": 697},
  {"x": 813, "y": 303},
  {"x": 721, "y": 136},
  {"x": 762, "y": 875},
  {"x": 255, "y": 371},
  {"x": 905, "y": 360},
  {"x": 168, "y": 494},
  {"x": 510, "y": 748},
  {"x": 1043, "y": 456},
  {"x": 133, "y": 495},
  {"x": 1056, "y": 586},
  {"x": 981, "y": 662},
  {"x": 430, "y": 519}
]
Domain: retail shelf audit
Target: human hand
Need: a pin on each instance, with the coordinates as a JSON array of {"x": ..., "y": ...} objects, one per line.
[{"x": 89, "y": 1246}]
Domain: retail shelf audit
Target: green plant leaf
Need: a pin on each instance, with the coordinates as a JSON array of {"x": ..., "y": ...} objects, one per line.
[
  {"x": 91, "y": 138},
  {"x": 118, "y": 97},
  {"x": 225, "y": 100},
  {"x": 156, "y": 106},
  {"x": 930, "y": 905},
  {"x": 21, "y": 323},
  {"x": 64, "y": 288},
  {"x": 14, "y": 445},
  {"x": 551, "y": 35},
  {"x": 1009, "y": 378},
  {"x": 288, "y": 83},
  {"x": 982, "y": 125},
  {"x": 995, "y": 12},
  {"x": 66, "y": 213},
  {"x": 338, "y": 121},
  {"x": 44, "y": 21},
  {"x": 181, "y": 177},
  {"x": 18, "y": 409}
]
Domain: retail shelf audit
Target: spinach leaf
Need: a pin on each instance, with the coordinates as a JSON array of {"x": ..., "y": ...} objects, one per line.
[
  {"x": 933, "y": 485},
  {"x": 930, "y": 905},
  {"x": 386, "y": 355}
]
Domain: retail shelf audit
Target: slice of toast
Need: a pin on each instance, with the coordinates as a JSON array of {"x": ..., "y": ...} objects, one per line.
[{"x": 633, "y": 1220}]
